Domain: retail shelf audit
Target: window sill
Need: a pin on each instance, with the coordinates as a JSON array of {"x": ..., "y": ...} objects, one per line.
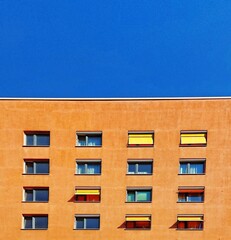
[
  {"x": 35, "y": 174},
  {"x": 98, "y": 146},
  {"x": 140, "y": 202},
  {"x": 137, "y": 229},
  {"x": 35, "y": 201},
  {"x": 36, "y": 145},
  {"x": 86, "y": 229},
  {"x": 88, "y": 174},
  {"x": 190, "y": 202},
  {"x": 188, "y": 229},
  {"x": 86, "y": 201},
  {"x": 139, "y": 145},
  {"x": 139, "y": 174},
  {"x": 191, "y": 174},
  {"x": 192, "y": 145},
  {"x": 34, "y": 229}
]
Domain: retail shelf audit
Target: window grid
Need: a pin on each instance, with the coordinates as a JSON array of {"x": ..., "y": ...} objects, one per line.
[
  {"x": 140, "y": 167},
  {"x": 35, "y": 222},
  {"x": 36, "y": 194},
  {"x": 36, "y": 166},
  {"x": 87, "y": 222},
  {"x": 93, "y": 167},
  {"x": 139, "y": 195}
]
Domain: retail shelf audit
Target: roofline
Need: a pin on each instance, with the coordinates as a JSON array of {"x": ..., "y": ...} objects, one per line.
[{"x": 114, "y": 99}]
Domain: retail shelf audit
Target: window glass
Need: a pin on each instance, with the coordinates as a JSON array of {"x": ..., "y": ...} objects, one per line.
[
  {"x": 138, "y": 195},
  {"x": 29, "y": 140},
  {"x": 183, "y": 168},
  {"x": 143, "y": 196},
  {"x": 29, "y": 167},
  {"x": 43, "y": 140},
  {"x": 131, "y": 196},
  {"x": 132, "y": 168},
  {"x": 27, "y": 222},
  {"x": 88, "y": 168},
  {"x": 89, "y": 139},
  {"x": 79, "y": 223},
  {"x": 37, "y": 139},
  {"x": 195, "y": 198},
  {"x": 82, "y": 141},
  {"x": 145, "y": 168},
  {"x": 41, "y": 167},
  {"x": 92, "y": 222},
  {"x": 93, "y": 168},
  {"x": 41, "y": 222},
  {"x": 192, "y": 167},
  {"x": 29, "y": 195},
  {"x": 94, "y": 141},
  {"x": 41, "y": 195},
  {"x": 139, "y": 167}
]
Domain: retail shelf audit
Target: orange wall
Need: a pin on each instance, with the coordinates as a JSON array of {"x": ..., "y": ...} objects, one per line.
[{"x": 115, "y": 119}]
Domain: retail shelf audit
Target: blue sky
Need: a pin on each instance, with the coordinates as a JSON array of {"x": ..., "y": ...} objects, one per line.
[{"x": 115, "y": 48}]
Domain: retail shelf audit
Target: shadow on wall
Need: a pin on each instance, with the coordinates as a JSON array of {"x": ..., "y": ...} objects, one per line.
[
  {"x": 72, "y": 199},
  {"x": 174, "y": 226},
  {"x": 123, "y": 225}
]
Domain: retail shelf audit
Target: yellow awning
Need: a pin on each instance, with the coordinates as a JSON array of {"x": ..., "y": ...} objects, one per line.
[
  {"x": 87, "y": 192},
  {"x": 140, "y": 138},
  {"x": 190, "y": 219},
  {"x": 131, "y": 219},
  {"x": 193, "y": 138}
]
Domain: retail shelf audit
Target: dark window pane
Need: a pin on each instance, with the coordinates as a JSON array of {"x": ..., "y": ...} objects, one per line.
[
  {"x": 29, "y": 195},
  {"x": 30, "y": 140},
  {"x": 81, "y": 141},
  {"x": 94, "y": 141},
  {"x": 183, "y": 168},
  {"x": 43, "y": 140},
  {"x": 81, "y": 168},
  {"x": 80, "y": 223},
  {"x": 28, "y": 222},
  {"x": 41, "y": 222},
  {"x": 41, "y": 195},
  {"x": 132, "y": 168},
  {"x": 29, "y": 167},
  {"x": 145, "y": 168},
  {"x": 93, "y": 168},
  {"x": 41, "y": 167},
  {"x": 92, "y": 222},
  {"x": 130, "y": 196}
]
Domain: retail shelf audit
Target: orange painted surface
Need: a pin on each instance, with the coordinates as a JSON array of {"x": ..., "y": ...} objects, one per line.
[{"x": 115, "y": 118}]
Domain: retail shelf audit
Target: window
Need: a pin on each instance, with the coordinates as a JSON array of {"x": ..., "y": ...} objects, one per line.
[
  {"x": 35, "y": 221},
  {"x": 192, "y": 166},
  {"x": 141, "y": 139},
  {"x": 190, "y": 222},
  {"x": 87, "y": 194},
  {"x": 36, "y": 194},
  {"x": 36, "y": 166},
  {"x": 139, "y": 195},
  {"x": 191, "y": 194},
  {"x": 90, "y": 139},
  {"x": 193, "y": 138},
  {"x": 138, "y": 222},
  {"x": 139, "y": 167},
  {"x": 88, "y": 222},
  {"x": 88, "y": 167},
  {"x": 37, "y": 139}
]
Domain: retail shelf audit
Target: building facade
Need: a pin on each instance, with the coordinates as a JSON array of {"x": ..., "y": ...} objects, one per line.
[{"x": 115, "y": 169}]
